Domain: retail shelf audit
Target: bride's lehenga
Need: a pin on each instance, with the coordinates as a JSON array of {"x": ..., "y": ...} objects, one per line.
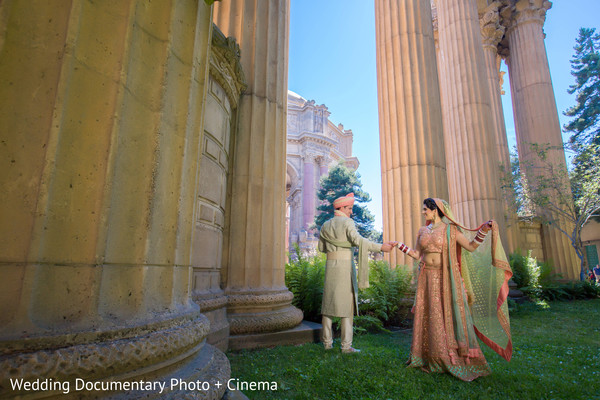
[{"x": 445, "y": 326}]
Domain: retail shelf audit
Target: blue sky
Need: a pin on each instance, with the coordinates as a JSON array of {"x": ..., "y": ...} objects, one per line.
[{"x": 332, "y": 61}]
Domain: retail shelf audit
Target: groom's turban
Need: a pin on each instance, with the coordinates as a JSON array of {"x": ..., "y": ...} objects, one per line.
[{"x": 347, "y": 200}]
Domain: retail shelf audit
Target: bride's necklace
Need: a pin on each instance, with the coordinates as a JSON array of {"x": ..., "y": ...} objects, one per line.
[{"x": 433, "y": 226}]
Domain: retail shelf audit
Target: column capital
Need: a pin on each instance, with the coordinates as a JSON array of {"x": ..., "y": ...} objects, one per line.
[
  {"x": 492, "y": 31},
  {"x": 519, "y": 12},
  {"x": 322, "y": 160},
  {"x": 310, "y": 157}
]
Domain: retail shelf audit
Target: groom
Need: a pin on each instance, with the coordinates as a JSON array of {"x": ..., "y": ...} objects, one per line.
[{"x": 340, "y": 293}]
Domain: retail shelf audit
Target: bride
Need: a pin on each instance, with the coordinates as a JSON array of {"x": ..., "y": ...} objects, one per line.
[{"x": 461, "y": 295}]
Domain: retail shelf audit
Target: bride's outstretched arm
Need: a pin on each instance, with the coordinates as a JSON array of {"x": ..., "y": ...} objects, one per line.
[
  {"x": 414, "y": 253},
  {"x": 477, "y": 240}
]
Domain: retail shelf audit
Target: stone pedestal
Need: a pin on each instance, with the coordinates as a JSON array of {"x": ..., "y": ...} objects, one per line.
[
  {"x": 258, "y": 300},
  {"x": 102, "y": 134},
  {"x": 410, "y": 125},
  {"x": 536, "y": 117},
  {"x": 471, "y": 158}
]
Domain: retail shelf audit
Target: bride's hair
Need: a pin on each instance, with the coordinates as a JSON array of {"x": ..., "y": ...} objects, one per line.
[{"x": 430, "y": 203}]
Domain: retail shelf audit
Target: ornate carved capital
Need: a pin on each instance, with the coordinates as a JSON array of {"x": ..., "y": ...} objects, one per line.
[
  {"x": 310, "y": 157},
  {"x": 531, "y": 11},
  {"x": 518, "y": 12},
  {"x": 225, "y": 65},
  {"x": 323, "y": 161},
  {"x": 294, "y": 200},
  {"x": 491, "y": 29}
]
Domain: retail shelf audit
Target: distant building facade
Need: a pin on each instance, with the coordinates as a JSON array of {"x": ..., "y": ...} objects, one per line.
[{"x": 314, "y": 144}]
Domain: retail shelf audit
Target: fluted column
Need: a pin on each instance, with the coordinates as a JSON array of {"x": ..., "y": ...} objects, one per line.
[
  {"x": 308, "y": 191},
  {"x": 323, "y": 167},
  {"x": 535, "y": 113},
  {"x": 492, "y": 32},
  {"x": 471, "y": 159},
  {"x": 258, "y": 300},
  {"x": 410, "y": 124},
  {"x": 102, "y": 127}
]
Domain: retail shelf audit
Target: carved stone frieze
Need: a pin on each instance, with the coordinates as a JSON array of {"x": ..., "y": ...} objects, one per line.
[
  {"x": 103, "y": 359},
  {"x": 225, "y": 66}
]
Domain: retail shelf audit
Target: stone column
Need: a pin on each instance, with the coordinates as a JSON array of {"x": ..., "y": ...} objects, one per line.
[
  {"x": 225, "y": 83},
  {"x": 258, "y": 300},
  {"x": 471, "y": 159},
  {"x": 535, "y": 114},
  {"x": 492, "y": 32},
  {"x": 100, "y": 130},
  {"x": 410, "y": 126},
  {"x": 323, "y": 166},
  {"x": 308, "y": 191}
]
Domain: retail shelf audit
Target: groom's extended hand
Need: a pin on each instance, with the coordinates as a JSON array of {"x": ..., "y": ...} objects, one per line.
[{"x": 388, "y": 246}]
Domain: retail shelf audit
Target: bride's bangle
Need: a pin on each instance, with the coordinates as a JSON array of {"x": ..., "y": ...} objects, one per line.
[
  {"x": 404, "y": 248},
  {"x": 480, "y": 236}
]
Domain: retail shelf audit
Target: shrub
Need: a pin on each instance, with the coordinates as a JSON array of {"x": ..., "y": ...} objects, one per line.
[
  {"x": 384, "y": 298},
  {"x": 569, "y": 291},
  {"x": 527, "y": 271},
  {"x": 304, "y": 277},
  {"x": 368, "y": 324},
  {"x": 535, "y": 279}
]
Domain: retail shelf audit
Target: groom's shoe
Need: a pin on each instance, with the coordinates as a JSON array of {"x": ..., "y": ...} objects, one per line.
[
  {"x": 328, "y": 346},
  {"x": 350, "y": 350}
]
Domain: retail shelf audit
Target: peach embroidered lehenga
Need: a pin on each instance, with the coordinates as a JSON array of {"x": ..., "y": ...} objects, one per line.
[{"x": 446, "y": 324}]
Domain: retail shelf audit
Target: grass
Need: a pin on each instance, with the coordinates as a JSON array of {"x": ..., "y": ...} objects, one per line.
[{"x": 556, "y": 356}]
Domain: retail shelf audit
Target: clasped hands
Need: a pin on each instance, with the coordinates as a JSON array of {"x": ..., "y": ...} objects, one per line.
[{"x": 388, "y": 246}]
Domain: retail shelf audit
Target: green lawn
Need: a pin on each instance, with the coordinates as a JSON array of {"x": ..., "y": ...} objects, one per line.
[{"x": 556, "y": 356}]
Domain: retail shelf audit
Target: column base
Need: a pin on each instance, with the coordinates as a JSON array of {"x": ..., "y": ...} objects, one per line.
[
  {"x": 214, "y": 307},
  {"x": 171, "y": 352},
  {"x": 262, "y": 312}
]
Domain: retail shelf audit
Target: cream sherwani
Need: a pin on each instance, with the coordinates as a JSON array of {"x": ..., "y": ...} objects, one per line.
[{"x": 339, "y": 293}]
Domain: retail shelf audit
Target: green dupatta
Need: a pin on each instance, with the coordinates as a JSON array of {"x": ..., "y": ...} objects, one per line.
[{"x": 484, "y": 274}]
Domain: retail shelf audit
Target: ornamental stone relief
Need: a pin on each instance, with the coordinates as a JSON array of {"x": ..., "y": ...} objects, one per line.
[{"x": 491, "y": 29}]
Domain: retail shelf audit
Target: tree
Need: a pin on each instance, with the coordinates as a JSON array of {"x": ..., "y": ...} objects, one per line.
[
  {"x": 585, "y": 65},
  {"x": 339, "y": 182},
  {"x": 514, "y": 184},
  {"x": 548, "y": 190}
]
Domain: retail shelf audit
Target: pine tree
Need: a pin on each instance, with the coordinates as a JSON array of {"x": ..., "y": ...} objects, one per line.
[
  {"x": 339, "y": 182},
  {"x": 585, "y": 125},
  {"x": 585, "y": 65}
]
